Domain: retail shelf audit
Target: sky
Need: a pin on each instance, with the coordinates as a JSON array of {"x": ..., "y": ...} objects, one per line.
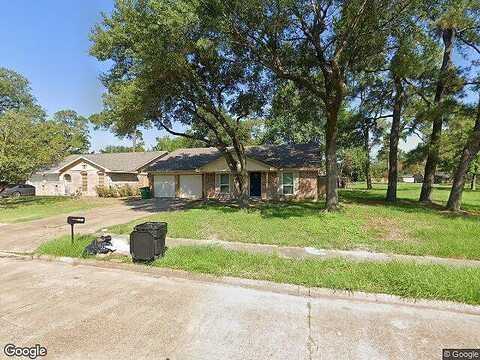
[{"x": 48, "y": 42}]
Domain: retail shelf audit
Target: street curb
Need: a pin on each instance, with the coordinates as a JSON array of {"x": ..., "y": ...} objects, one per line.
[{"x": 260, "y": 285}]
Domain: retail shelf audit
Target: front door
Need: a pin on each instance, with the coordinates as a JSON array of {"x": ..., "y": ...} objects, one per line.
[{"x": 255, "y": 184}]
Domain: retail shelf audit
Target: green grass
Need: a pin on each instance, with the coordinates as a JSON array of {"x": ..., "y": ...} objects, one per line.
[
  {"x": 29, "y": 208},
  {"x": 365, "y": 221},
  {"x": 62, "y": 246},
  {"x": 403, "y": 279}
]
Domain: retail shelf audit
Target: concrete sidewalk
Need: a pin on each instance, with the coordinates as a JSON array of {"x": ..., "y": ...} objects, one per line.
[
  {"x": 85, "y": 312},
  {"x": 309, "y": 253},
  {"x": 26, "y": 237}
]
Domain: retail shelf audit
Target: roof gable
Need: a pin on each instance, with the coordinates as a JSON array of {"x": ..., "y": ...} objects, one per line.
[{"x": 111, "y": 162}]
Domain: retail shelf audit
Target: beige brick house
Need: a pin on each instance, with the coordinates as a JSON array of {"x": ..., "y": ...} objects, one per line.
[
  {"x": 275, "y": 172},
  {"x": 81, "y": 174}
]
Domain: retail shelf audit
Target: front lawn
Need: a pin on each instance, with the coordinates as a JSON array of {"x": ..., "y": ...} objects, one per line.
[
  {"x": 29, "y": 208},
  {"x": 403, "y": 279},
  {"x": 365, "y": 221}
]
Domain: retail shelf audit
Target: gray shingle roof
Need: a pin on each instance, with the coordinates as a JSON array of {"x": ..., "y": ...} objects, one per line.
[
  {"x": 119, "y": 162},
  {"x": 279, "y": 156},
  {"x": 185, "y": 159}
]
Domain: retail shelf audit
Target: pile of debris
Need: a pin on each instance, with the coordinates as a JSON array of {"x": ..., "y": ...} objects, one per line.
[{"x": 100, "y": 245}]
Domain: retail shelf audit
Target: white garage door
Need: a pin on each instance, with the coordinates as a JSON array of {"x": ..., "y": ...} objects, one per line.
[
  {"x": 164, "y": 185},
  {"x": 190, "y": 186}
]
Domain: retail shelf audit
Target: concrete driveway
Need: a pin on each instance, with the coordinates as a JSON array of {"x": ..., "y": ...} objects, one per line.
[
  {"x": 26, "y": 237},
  {"x": 86, "y": 312}
]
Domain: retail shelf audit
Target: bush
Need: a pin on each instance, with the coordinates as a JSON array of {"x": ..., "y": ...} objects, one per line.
[{"x": 117, "y": 191}]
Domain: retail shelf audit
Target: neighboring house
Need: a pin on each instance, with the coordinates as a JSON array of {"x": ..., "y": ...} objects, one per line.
[
  {"x": 274, "y": 172},
  {"x": 83, "y": 173}
]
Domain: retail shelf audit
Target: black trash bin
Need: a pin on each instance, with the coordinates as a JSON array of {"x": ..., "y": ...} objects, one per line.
[{"x": 158, "y": 232}]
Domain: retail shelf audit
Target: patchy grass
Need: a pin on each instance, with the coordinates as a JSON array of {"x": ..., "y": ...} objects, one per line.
[
  {"x": 410, "y": 227},
  {"x": 365, "y": 221},
  {"x": 29, "y": 208},
  {"x": 62, "y": 246},
  {"x": 296, "y": 224},
  {"x": 403, "y": 279}
]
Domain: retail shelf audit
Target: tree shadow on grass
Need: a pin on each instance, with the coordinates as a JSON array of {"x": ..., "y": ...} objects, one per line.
[
  {"x": 405, "y": 205},
  {"x": 267, "y": 209}
]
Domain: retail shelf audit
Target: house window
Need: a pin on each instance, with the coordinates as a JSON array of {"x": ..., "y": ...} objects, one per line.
[
  {"x": 101, "y": 179},
  {"x": 67, "y": 177},
  {"x": 287, "y": 182},
  {"x": 84, "y": 182},
  {"x": 224, "y": 183}
]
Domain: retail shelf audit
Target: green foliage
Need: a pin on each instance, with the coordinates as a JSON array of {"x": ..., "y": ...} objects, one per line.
[
  {"x": 121, "y": 149},
  {"x": 170, "y": 144},
  {"x": 75, "y": 130},
  {"x": 15, "y": 91},
  {"x": 353, "y": 163},
  {"x": 295, "y": 117},
  {"x": 121, "y": 191},
  {"x": 28, "y": 140},
  {"x": 172, "y": 65}
]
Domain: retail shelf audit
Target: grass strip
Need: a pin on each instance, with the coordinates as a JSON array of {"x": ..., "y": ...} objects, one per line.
[{"x": 397, "y": 278}]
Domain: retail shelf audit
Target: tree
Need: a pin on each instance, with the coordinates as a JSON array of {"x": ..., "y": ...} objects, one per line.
[
  {"x": 28, "y": 143},
  {"x": 174, "y": 143},
  {"x": 28, "y": 140},
  {"x": 121, "y": 149},
  {"x": 171, "y": 64},
  {"x": 458, "y": 23},
  {"x": 414, "y": 54},
  {"x": 75, "y": 130},
  {"x": 315, "y": 44},
  {"x": 366, "y": 126},
  {"x": 15, "y": 91},
  {"x": 295, "y": 117},
  {"x": 469, "y": 153}
]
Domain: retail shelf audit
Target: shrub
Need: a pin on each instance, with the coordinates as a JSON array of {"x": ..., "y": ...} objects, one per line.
[
  {"x": 107, "y": 192},
  {"x": 117, "y": 191}
]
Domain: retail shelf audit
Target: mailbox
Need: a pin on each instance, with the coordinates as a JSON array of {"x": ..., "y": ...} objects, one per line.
[
  {"x": 75, "y": 220},
  {"x": 72, "y": 220}
]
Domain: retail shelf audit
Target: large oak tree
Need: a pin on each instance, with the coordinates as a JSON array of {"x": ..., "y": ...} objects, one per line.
[
  {"x": 317, "y": 45},
  {"x": 173, "y": 68}
]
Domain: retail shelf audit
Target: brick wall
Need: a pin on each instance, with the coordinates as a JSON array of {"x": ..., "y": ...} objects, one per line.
[
  {"x": 273, "y": 182},
  {"x": 307, "y": 185}
]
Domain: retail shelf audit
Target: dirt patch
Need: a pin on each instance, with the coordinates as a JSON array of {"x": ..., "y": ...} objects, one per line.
[{"x": 387, "y": 229}]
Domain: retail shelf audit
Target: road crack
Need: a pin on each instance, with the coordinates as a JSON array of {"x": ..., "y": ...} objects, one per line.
[{"x": 311, "y": 344}]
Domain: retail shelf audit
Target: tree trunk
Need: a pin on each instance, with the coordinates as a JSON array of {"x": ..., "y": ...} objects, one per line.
[
  {"x": 331, "y": 159},
  {"x": 366, "y": 147},
  {"x": 470, "y": 150},
  {"x": 473, "y": 184},
  {"x": 448, "y": 36},
  {"x": 394, "y": 139},
  {"x": 238, "y": 167}
]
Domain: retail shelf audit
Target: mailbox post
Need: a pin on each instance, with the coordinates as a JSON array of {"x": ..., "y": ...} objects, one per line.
[{"x": 72, "y": 220}]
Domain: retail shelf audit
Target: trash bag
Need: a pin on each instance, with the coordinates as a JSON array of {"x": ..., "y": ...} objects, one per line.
[{"x": 101, "y": 245}]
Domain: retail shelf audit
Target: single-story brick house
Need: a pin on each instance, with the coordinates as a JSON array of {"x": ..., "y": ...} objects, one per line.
[
  {"x": 83, "y": 173},
  {"x": 275, "y": 172}
]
